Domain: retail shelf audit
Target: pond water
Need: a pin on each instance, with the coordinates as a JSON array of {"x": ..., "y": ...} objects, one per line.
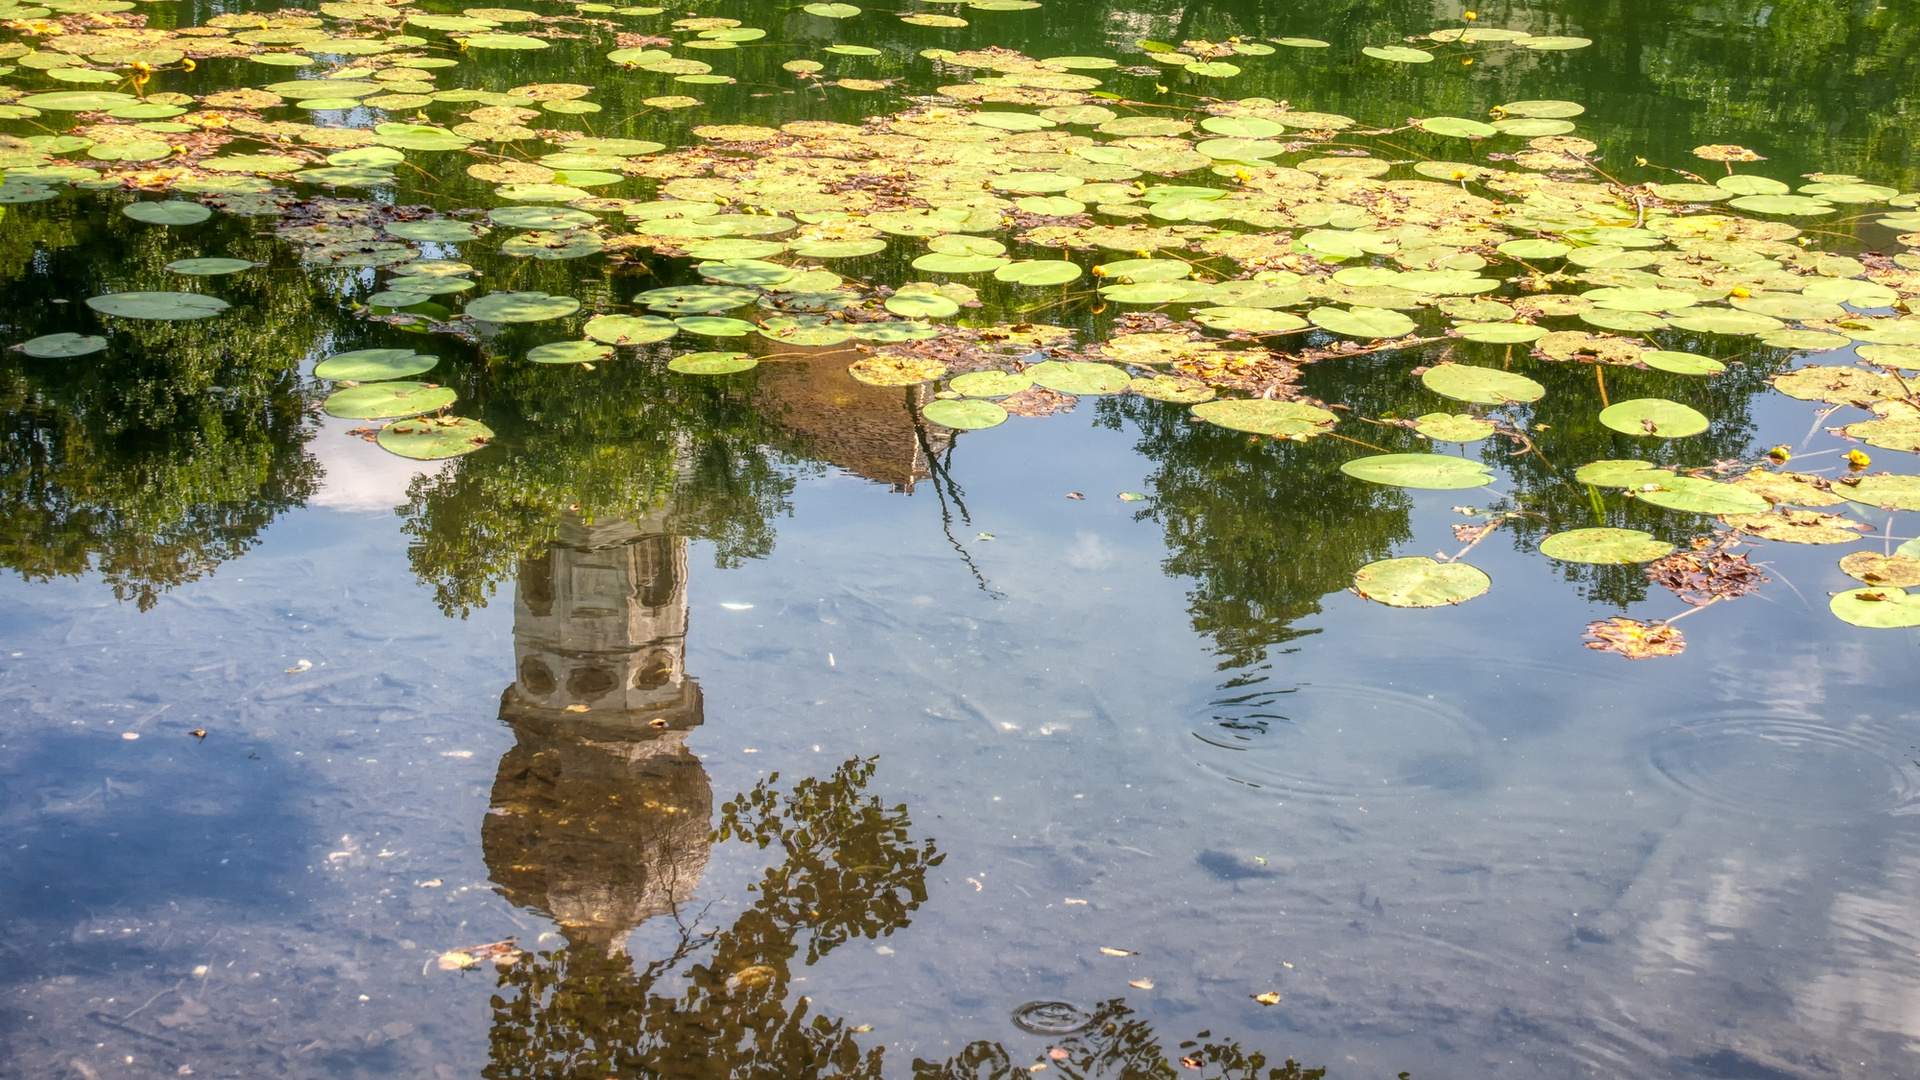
[{"x": 931, "y": 681}]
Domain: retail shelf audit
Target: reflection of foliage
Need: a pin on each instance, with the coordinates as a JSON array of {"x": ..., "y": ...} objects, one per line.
[
  {"x": 618, "y": 441},
  {"x": 851, "y": 869},
  {"x": 1116, "y": 1043},
  {"x": 1264, "y": 531},
  {"x": 165, "y": 455}
]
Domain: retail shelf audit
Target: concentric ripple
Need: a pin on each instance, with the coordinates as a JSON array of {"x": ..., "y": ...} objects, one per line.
[{"x": 1787, "y": 768}]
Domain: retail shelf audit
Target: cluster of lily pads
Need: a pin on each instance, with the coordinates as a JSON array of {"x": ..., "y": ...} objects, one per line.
[{"x": 1268, "y": 236}]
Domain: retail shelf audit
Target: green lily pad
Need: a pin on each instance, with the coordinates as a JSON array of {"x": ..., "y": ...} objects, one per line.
[
  {"x": 1291, "y": 419},
  {"x": 1038, "y": 272},
  {"x": 521, "y": 307},
  {"x": 1543, "y": 109},
  {"x": 1417, "y": 581},
  {"x": 1457, "y": 127},
  {"x": 987, "y": 384},
  {"x": 1680, "y": 363},
  {"x": 1249, "y": 320},
  {"x": 1605, "y": 546},
  {"x": 1904, "y": 357},
  {"x": 745, "y": 272},
  {"x": 714, "y": 325},
  {"x": 434, "y": 438},
  {"x": 1362, "y": 322},
  {"x": 165, "y": 306},
  {"x": 1695, "y": 495},
  {"x": 1481, "y": 385},
  {"x": 922, "y": 305},
  {"x": 832, "y": 11},
  {"x": 1079, "y": 377},
  {"x": 712, "y": 363},
  {"x": 174, "y": 212},
  {"x": 437, "y": 231},
  {"x": 1880, "y": 607},
  {"x": 1398, "y": 54},
  {"x": 570, "y": 352},
  {"x": 209, "y": 267},
  {"x": 1622, "y": 474},
  {"x": 630, "y": 329},
  {"x": 1140, "y": 271},
  {"x": 1534, "y": 249},
  {"x": 1655, "y": 418},
  {"x": 79, "y": 100},
  {"x": 379, "y": 400},
  {"x": 937, "y": 263},
  {"x": 1501, "y": 333},
  {"x": 1433, "y": 471},
  {"x": 1784, "y": 205},
  {"x": 1886, "y": 492},
  {"x": 60, "y": 346},
  {"x": 374, "y": 365},
  {"x": 1453, "y": 427},
  {"x": 964, "y": 414},
  {"x": 734, "y": 248},
  {"x": 513, "y": 42},
  {"x": 837, "y": 249}
]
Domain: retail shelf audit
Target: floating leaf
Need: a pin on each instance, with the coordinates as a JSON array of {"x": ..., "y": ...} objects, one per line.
[
  {"x": 990, "y": 383},
  {"x": 1457, "y": 427},
  {"x": 434, "y": 438},
  {"x": 1655, "y": 417},
  {"x": 1291, "y": 419},
  {"x": 1079, "y": 377},
  {"x": 1622, "y": 474},
  {"x": 1172, "y": 389},
  {"x": 1433, "y": 471},
  {"x": 1882, "y": 607},
  {"x": 712, "y": 363},
  {"x": 374, "y": 365},
  {"x": 166, "y": 306},
  {"x": 1458, "y": 127},
  {"x": 1501, "y": 333},
  {"x": 714, "y": 325},
  {"x": 1399, "y": 54},
  {"x": 1362, "y": 322},
  {"x": 569, "y": 352},
  {"x": 521, "y": 307},
  {"x": 896, "y": 370},
  {"x": 78, "y": 101},
  {"x": 1419, "y": 582},
  {"x": 832, "y": 11},
  {"x": 1695, "y": 495},
  {"x": 1605, "y": 546},
  {"x": 60, "y": 346},
  {"x": 1680, "y": 363},
  {"x": 1797, "y": 527},
  {"x": 965, "y": 415},
  {"x": 176, "y": 212},
  {"x": 375, "y": 401},
  {"x": 1634, "y": 639},
  {"x": 1899, "y": 571},
  {"x": 1484, "y": 386},
  {"x": 630, "y": 329},
  {"x": 1886, "y": 492}
]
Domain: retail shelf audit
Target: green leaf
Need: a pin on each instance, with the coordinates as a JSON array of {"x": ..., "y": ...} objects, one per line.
[
  {"x": 373, "y": 365},
  {"x": 1455, "y": 427},
  {"x": 630, "y": 329},
  {"x": 1079, "y": 377},
  {"x": 1419, "y": 582},
  {"x": 1484, "y": 386},
  {"x": 1362, "y": 322},
  {"x": 1501, "y": 333},
  {"x": 521, "y": 307},
  {"x": 173, "y": 212},
  {"x": 1292, "y": 419},
  {"x": 1398, "y": 54},
  {"x": 434, "y": 438},
  {"x": 1880, "y": 607},
  {"x": 78, "y": 100},
  {"x": 714, "y": 325},
  {"x": 1433, "y": 471},
  {"x": 1680, "y": 363},
  {"x": 61, "y": 346},
  {"x": 164, "y": 306},
  {"x": 1457, "y": 127},
  {"x": 832, "y": 11},
  {"x": 1698, "y": 496},
  {"x": 937, "y": 263},
  {"x": 1605, "y": 546},
  {"x": 375, "y": 401},
  {"x": 569, "y": 352},
  {"x": 1885, "y": 492},
  {"x": 1654, "y": 418},
  {"x": 1249, "y": 320},
  {"x": 965, "y": 415},
  {"x": 712, "y": 363},
  {"x": 1622, "y": 474}
]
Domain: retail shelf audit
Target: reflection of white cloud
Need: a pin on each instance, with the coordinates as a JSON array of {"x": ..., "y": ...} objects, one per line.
[
  {"x": 359, "y": 477},
  {"x": 1089, "y": 552}
]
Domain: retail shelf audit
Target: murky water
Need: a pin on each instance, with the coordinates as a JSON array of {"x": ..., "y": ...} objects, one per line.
[{"x": 787, "y": 734}]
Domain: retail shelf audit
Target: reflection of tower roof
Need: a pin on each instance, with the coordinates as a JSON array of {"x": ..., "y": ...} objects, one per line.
[
  {"x": 600, "y": 813},
  {"x": 867, "y": 430}
]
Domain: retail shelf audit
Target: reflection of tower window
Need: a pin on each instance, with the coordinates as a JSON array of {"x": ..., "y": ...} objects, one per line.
[{"x": 600, "y": 814}]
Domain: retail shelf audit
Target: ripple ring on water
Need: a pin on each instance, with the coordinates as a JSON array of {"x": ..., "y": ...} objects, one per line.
[{"x": 1051, "y": 1018}]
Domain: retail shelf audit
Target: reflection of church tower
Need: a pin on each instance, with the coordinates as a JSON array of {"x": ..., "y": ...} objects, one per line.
[
  {"x": 867, "y": 430},
  {"x": 600, "y": 813}
]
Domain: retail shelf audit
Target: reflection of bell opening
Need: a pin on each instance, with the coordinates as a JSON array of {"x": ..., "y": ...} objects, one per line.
[{"x": 600, "y": 813}]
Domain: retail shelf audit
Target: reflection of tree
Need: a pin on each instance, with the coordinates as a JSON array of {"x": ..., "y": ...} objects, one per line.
[
  {"x": 1115, "y": 1043},
  {"x": 156, "y": 460},
  {"x": 614, "y": 442},
  {"x": 1263, "y": 528},
  {"x": 717, "y": 1006}
]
